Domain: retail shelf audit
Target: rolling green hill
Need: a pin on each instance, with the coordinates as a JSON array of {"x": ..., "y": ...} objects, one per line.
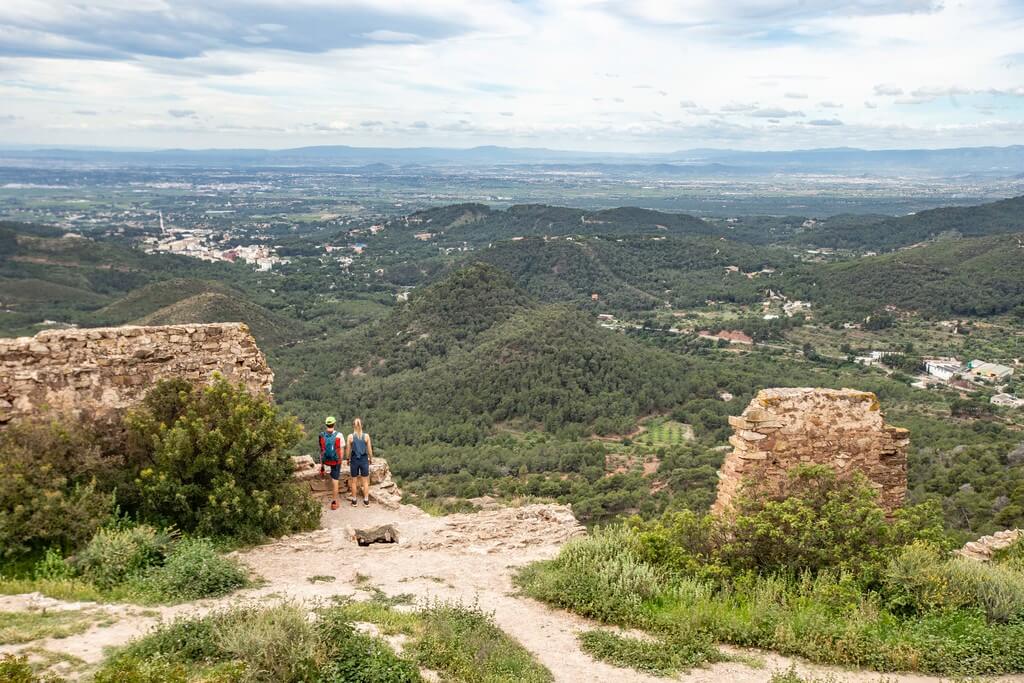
[
  {"x": 478, "y": 223},
  {"x": 979, "y": 277},
  {"x": 636, "y": 273},
  {"x": 1002, "y": 217},
  {"x": 150, "y": 298},
  {"x": 269, "y": 328}
]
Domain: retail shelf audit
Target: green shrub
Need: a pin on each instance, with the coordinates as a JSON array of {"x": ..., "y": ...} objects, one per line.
[
  {"x": 115, "y": 555},
  {"x": 214, "y": 461},
  {"x": 601, "y": 576},
  {"x": 921, "y": 580},
  {"x": 16, "y": 669},
  {"x": 660, "y": 657},
  {"x": 193, "y": 569},
  {"x": 463, "y": 643},
  {"x": 55, "y": 484},
  {"x": 274, "y": 644},
  {"x": 53, "y": 567},
  {"x": 354, "y": 657}
]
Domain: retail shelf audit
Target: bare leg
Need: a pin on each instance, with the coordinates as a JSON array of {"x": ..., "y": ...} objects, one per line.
[
  {"x": 366, "y": 487},
  {"x": 334, "y": 487},
  {"x": 353, "y": 483}
]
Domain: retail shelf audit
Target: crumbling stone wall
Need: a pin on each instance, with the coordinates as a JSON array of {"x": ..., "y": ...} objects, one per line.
[
  {"x": 841, "y": 428},
  {"x": 103, "y": 369}
]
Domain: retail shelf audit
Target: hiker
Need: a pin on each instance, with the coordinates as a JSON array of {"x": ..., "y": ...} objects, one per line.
[
  {"x": 332, "y": 451},
  {"x": 360, "y": 454}
]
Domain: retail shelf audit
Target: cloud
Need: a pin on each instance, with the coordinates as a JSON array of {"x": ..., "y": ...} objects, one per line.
[
  {"x": 687, "y": 104},
  {"x": 191, "y": 28},
  {"x": 85, "y": 112},
  {"x": 830, "y": 105},
  {"x": 887, "y": 89},
  {"x": 8, "y": 118},
  {"x": 371, "y": 124},
  {"x": 771, "y": 113},
  {"x": 795, "y": 96},
  {"x": 870, "y": 105},
  {"x": 183, "y": 113},
  {"x": 739, "y": 107},
  {"x": 825, "y": 122},
  {"x": 385, "y": 36}
]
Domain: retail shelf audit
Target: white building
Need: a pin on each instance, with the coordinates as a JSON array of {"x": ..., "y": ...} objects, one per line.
[
  {"x": 993, "y": 372},
  {"x": 1008, "y": 400},
  {"x": 943, "y": 368}
]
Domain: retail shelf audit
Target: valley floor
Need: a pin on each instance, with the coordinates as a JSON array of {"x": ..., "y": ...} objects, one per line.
[{"x": 467, "y": 558}]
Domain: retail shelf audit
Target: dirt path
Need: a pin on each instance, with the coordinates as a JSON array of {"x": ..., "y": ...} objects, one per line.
[{"x": 469, "y": 558}]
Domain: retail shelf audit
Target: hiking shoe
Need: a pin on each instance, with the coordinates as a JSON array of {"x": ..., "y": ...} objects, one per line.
[
  {"x": 334, "y": 505},
  {"x": 322, "y": 475},
  {"x": 353, "y": 501},
  {"x": 366, "y": 502}
]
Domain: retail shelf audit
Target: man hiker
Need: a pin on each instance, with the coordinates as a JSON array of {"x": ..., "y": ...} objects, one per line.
[
  {"x": 360, "y": 454},
  {"x": 332, "y": 450}
]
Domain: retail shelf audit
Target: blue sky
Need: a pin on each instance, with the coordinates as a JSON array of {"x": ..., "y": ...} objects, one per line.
[{"x": 611, "y": 75}]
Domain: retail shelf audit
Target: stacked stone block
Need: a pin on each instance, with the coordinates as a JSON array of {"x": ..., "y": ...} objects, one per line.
[
  {"x": 841, "y": 428},
  {"x": 100, "y": 370}
]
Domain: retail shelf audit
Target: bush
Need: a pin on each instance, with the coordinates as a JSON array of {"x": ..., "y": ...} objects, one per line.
[
  {"x": 193, "y": 569},
  {"x": 48, "y": 493},
  {"x": 279, "y": 643},
  {"x": 115, "y": 555},
  {"x": 920, "y": 580},
  {"x": 16, "y": 669},
  {"x": 660, "y": 657},
  {"x": 601, "y": 576},
  {"x": 817, "y": 521},
  {"x": 214, "y": 461}
]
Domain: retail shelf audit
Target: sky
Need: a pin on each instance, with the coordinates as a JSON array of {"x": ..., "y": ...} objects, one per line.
[{"x": 601, "y": 75}]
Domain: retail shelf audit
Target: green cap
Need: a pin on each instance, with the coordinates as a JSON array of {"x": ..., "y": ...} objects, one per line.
[{"x": 329, "y": 421}]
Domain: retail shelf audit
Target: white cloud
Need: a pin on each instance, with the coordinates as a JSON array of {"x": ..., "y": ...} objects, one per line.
[{"x": 461, "y": 68}]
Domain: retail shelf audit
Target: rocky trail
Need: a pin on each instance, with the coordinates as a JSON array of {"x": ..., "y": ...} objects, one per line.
[{"x": 467, "y": 557}]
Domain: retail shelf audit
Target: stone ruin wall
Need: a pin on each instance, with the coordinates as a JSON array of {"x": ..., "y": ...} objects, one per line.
[
  {"x": 841, "y": 428},
  {"x": 104, "y": 369}
]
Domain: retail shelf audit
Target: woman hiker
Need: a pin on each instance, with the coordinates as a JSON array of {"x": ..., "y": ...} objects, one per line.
[
  {"x": 360, "y": 454},
  {"x": 332, "y": 451}
]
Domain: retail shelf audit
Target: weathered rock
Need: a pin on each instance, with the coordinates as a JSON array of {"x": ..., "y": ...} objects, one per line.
[
  {"x": 985, "y": 547},
  {"x": 490, "y": 531},
  {"x": 841, "y": 428},
  {"x": 386, "y": 533},
  {"x": 382, "y": 488},
  {"x": 108, "y": 369}
]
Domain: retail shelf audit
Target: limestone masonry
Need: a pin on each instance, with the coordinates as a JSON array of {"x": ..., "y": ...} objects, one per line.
[
  {"x": 841, "y": 428},
  {"x": 102, "y": 369}
]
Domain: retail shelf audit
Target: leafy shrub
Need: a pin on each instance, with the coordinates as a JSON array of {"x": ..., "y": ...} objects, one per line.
[
  {"x": 819, "y": 520},
  {"x": 464, "y": 643},
  {"x": 193, "y": 569},
  {"x": 115, "y": 555},
  {"x": 16, "y": 669},
  {"x": 48, "y": 494},
  {"x": 355, "y": 657},
  {"x": 52, "y": 566},
  {"x": 660, "y": 657},
  {"x": 276, "y": 644},
  {"x": 214, "y": 461},
  {"x": 920, "y": 580},
  {"x": 601, "y": 576}
]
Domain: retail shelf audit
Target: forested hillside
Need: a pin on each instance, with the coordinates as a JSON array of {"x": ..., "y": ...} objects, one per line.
[
  {"x": 977, "y": 277},
  {"x": 634, "y": 272},
  {"x": 1006, "y": 216}
]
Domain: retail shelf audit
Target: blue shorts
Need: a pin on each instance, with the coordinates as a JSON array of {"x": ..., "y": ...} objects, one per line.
[
  {"x": 335, "y": 471},
  {"x": 360, "y": 467}
]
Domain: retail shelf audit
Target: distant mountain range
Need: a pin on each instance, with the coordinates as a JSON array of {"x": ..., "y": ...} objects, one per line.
[{"x": 988, "y": 161}]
